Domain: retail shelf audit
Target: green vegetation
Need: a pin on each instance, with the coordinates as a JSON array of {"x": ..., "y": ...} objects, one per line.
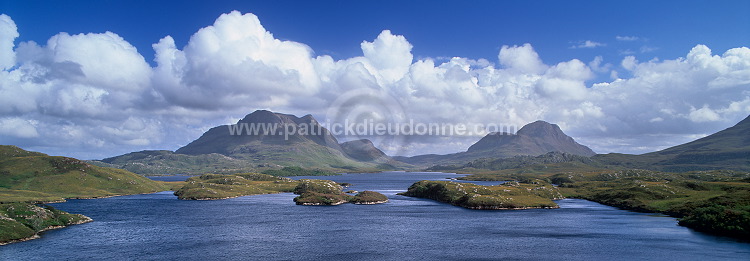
[
  {"x": 310, "y": 191},
  {"x": 510, "y": 195},
  {"x": 728, "y": 149},
  {"x": 369, "y": 197},
  {"x": 29, "y": 177},
  {"x": 319, "y": 192},
  {"x": 325, "y": 192},
  {"x": 164, "y": 162},
  {"x": 35, "y": 177},
  {"x": 263, "y": 158},
  {"x": 716, "y": 202},
  {"x": 21, "y": 221},
  {"x": 520, "y": 162},
  {"x": 218, "y": 186},
  {"x": 298, "y": 171}
]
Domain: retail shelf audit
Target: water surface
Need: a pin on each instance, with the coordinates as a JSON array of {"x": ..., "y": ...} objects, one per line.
[{"x": 272, "y": 227}]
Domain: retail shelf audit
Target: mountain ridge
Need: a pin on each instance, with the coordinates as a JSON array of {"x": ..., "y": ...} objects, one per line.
[
  {"x": 726, "y": 149},
  {"x": 533, "y": 139}
]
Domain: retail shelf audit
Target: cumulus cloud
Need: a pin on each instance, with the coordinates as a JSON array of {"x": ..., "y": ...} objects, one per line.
[
  {"x": 93, "y": 95},
  {"x": 232, "y": 62},
  {"x": 389, "y": 54},
  {"x": 522, "y": 59},
  {"x": 8, "y": 34}
]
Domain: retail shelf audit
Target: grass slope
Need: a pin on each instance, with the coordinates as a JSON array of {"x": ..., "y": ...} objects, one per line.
[
  {"x": 36, "y": 177},
  {"x": 164, "y": 162}
]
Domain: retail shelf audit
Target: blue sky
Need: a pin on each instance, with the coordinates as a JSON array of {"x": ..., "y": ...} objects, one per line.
[
  {"x": 619, "y": 76},
  {"x": 473, "y": 29}
]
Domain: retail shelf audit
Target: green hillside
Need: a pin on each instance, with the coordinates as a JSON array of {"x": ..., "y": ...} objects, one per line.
[
  {"x": 35, "y": 177},
  {"x": 726, "y": 149}
]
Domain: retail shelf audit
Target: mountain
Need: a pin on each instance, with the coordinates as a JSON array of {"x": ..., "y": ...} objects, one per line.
[
  {"x": 727, "y": 149},
  {"x": 533, "y": 139},
  {"x": 31, "y": 177},
  {"x": 265, "y": 137},
  {"x": 364, "y": 150},
  {"x": 261, "y": 140},
  {"x": 261, "y": 127}
]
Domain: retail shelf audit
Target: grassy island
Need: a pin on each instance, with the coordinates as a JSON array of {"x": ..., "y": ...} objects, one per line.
[
  {"x": 510, "y": 195},
  {"x": 21, "y": 221},
  {"x": 328, "y": 193},
  {"x": 218, "y": 186},
  {"x": 310, "y": 191}
]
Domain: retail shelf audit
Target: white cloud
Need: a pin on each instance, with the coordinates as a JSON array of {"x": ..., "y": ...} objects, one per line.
[
  {"x": 389, "y": 54},
  {"x": 522, "y": 59},
  {"x": 627, "y": 38},
  {"x": 598, "y": 66},
  {"x": 93, "y": 95},
  {"x": 17, "y": 127},
  {"x": 587, "y": 44},
  {"x": 704, "y": 114},
  {"x": 8, "y": 34},
  {"x": 231, "y": 63},
  {"x": 629, "y": 63}
]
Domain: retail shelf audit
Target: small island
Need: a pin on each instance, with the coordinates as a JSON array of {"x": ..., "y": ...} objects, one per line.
[
  {"x": 510, "y": 195},
  {"x": 310, "y": 191},
  {"x": 21, "y": 221},
  {"x": 219, "y": 186},
  {"x": 313, "y": 192}
]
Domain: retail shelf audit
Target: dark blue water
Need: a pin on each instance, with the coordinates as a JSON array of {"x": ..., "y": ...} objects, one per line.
[{"x": 263, "y": 227}]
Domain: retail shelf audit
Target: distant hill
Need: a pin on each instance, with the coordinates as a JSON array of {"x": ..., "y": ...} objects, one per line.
[
  {"x": 534, "y": 139},
  {"x": 520, "y": 162},
  {"x": 31, "y": 176},
  {"x": 727, "y": 149},
  {"x": 154, "y": 162},
  {"x": 257, "y": 142}
]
